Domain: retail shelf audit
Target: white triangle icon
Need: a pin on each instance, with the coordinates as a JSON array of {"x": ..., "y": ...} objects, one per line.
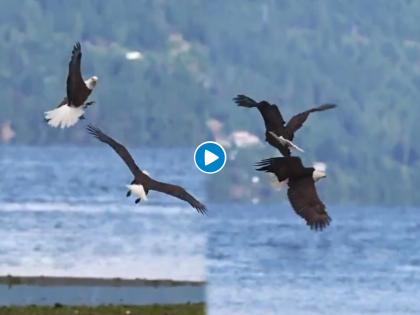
[{"x": 209, "y": 157}]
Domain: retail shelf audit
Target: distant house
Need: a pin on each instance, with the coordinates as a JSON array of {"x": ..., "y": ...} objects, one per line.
[
  {"x": 6, "y": 132},
  {"x": 238, "y": 138}
]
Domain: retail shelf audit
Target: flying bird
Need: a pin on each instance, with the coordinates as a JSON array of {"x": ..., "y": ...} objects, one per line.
[
  {"x": 142, "y": 182},
  {"x": 302, "y": 193},
  {"x": 72, "y": 107},
  {"x": 279, "y": 134}
]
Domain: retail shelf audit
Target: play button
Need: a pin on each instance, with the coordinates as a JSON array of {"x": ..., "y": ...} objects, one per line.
[{"x": 210, "y": 157}]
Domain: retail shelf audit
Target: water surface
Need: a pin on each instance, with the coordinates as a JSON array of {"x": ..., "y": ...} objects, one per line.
[
  {"x": 63, "y": 212},
  {"x": 264, "y": 260}
]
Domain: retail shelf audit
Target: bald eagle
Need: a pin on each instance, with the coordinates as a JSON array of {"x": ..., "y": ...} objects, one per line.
[
  {"x": 301, "y": 192},
  {"x": 278, "y": 133},
  {"x": 72, "y": 108},
  {"x": 142, "y": 182}
]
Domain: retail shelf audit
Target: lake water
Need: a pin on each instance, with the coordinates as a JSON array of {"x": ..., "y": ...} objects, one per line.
[
  {"x": 63, "y": 211},
  {"x": 264, "y": 260},
  {"x": 100, "y": 295}
]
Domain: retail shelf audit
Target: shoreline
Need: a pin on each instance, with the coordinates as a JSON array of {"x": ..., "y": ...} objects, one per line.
[
  {"x": 92, "y": 292},
  {"x": 58, "y": 309},
  {"x": 11, "y": 281}
]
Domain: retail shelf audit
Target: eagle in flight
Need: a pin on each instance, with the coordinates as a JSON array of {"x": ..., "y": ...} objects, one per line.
[
  {"x": 72, "y": 107},
  {"x": 279, "y": 134},
  {"x": 142, "y": 182},
  {"x": 302, "y": 192}
]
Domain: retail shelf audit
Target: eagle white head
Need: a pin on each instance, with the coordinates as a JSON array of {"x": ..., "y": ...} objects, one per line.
[
  {"x": 320, "y": 171},
  {"x": 91, "y": 82}
]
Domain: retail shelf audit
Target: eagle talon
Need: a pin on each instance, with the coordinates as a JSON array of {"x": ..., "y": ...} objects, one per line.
[
  {"x": 128, "y": 193},
  {"x": 137, "y": 200}
]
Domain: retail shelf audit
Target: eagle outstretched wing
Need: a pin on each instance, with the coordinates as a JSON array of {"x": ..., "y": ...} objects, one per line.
[
  {"x": 77, "y": 91},
  {"x": 119, "y": 148},
  {"x": 283, "y": 167},
  {"x": 297, "y": 120},
  {"x": 178, "y": 192},
  {"x": 305, "y": 201}
]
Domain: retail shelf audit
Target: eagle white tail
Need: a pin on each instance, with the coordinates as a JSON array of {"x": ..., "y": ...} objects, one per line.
[
  {"x": 64, "y": 116},
  {"x": 286, "y": 142},
  {"x": 138, "y": 190}
]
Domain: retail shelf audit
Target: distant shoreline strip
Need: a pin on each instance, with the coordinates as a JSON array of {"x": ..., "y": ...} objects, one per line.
[{"x": 106, "y": 282}]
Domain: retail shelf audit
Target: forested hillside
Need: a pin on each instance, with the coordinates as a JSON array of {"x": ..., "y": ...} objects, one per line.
[{"x": 194, "y": 56}]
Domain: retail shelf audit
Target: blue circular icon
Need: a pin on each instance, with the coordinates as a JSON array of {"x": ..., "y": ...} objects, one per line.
[{"x": 210, "y": 157}]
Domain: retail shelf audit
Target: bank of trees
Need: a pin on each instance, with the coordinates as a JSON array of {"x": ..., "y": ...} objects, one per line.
[{"x": 196, "y": 55}]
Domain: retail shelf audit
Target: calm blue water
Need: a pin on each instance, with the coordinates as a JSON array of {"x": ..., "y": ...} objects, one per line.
[
  {"x": 99, "y": 295},
  {"x": 264, "y": 260},
  {"x": 63, "y": 211}
]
